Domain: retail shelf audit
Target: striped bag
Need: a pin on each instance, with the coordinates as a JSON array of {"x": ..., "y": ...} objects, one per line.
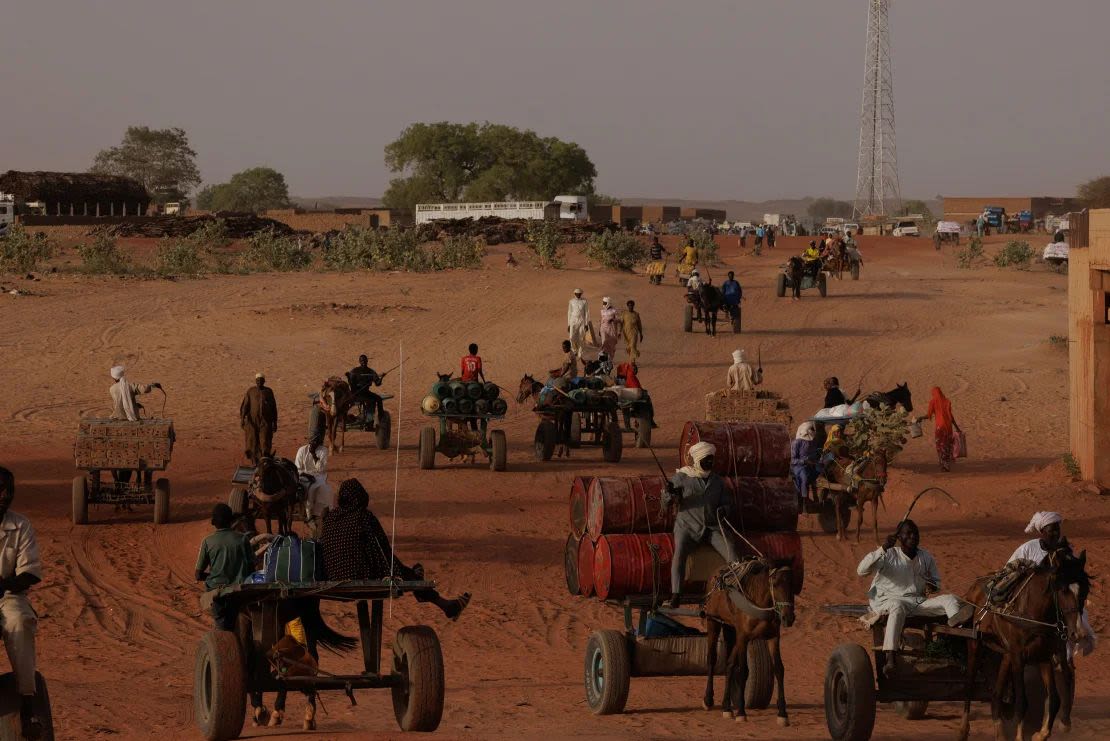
[{"x": 289, "y": 559}]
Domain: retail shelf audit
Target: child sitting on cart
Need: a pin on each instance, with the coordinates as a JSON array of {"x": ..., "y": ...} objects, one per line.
[{"x": 355, "y": 547}]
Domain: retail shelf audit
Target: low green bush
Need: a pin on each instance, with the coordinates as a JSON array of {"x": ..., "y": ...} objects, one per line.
[
  {"x": 269, "y": 251},
  {"x": 103, "y": 257},
  {"x": 969, "y": 254},
  {"x": 617, "y": 250},
  {"x": 1015, "y": 254},
  {"x": 24, "y": 252},
  {"x": 544, "y": 237}
]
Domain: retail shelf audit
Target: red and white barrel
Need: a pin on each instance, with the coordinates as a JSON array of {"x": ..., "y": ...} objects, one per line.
[
  {"x": 623, "y": 564},
  {"x": 579, "y": 504}
]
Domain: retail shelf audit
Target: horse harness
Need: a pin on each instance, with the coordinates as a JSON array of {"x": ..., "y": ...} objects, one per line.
[
  {"x": 853, "y": 479},
  {"x": 1003, "y": 589},
  {"x": 731, "y": 581}
]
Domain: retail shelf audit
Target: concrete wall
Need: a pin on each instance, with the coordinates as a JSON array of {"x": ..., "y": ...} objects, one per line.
[
  {"x": 712, "y": 214},
  {"x": 661, "y": 214}
]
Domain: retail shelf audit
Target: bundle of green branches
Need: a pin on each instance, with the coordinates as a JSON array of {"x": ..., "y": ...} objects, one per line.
[{"x": 874, "y": 430}]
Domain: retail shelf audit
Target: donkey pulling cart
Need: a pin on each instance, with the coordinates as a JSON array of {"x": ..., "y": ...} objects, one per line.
[
  {"x": 229, "y": 666},
  {"x": 463, "y": 410},
  {"x": 130, "y": 453}
]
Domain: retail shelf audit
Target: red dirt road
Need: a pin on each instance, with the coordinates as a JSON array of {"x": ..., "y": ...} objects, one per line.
[{"x": 119, "y": 610}]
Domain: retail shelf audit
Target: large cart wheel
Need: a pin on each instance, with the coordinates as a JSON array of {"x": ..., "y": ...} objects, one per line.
[
  {"x": 849, "y": 694},
  {"x": 688, "y": 319},
  {"x": 608, "y": 669},
  {"x": 613, "y": 442},
  {"x": 826, "y": 516},
  {"x": 161, "y": 501},
  {"x": 427, "y": 448},
  {"x": 761, "y": 676},
  {"x": 500, "y": 450},
  {"x": 855, "y": 270},
  {"x": 780, "y": 285},
  {"x": 10, "y": 726},
  {"x": 418, "y": 665},
  {"x": 80, "y": 500},
  {"x": 911, "y": 709},
  {"x": 385, "y": 426},
  {"x": 219, "y": 686},
  {"x": 574, "y": 434},
  {"x": 822, "y": 284},
  {"x": 546, "y": 434},
  {"x": 643, "y": 430},
  {"x": 237, "y": 500}
]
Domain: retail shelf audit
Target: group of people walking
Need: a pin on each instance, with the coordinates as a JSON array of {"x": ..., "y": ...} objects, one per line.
[{"x": 614, "y": 324}]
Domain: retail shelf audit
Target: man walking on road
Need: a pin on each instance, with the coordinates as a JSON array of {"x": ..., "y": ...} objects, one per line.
[
  {"x": 633, "y": 332},
  {"x": 259, "y": 419},
  {"x": 578, "y": 322}
]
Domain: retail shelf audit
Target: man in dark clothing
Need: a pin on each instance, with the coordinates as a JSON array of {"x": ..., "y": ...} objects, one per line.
[
  {"x": 732, "y": 294},
  {"x": 361, "y": 378},
  {"x": 834, "y": 397},
  {"x": 355, "y": 547},
  {"x": 317, "y": 426},
  {"x": 259, "y": 419},
  {"x": 225, "y": 558}
]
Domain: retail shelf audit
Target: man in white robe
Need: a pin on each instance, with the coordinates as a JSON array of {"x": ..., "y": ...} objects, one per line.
[
  {"x": 578, "y": 322},
  {"x": 741, "y": 376},
  {"x": 123, "y": 393},
  {"x": 320, "y": 497}
]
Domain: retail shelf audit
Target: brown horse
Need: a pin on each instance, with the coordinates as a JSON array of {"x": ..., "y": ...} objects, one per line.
[
  {"x": 336, "y": 400},
  {"x": 1033, "y": 626},
  {"x": 863, "y": 477},
  {"x": 275, "y": 493},
  {"x": 748, "y": 600}
]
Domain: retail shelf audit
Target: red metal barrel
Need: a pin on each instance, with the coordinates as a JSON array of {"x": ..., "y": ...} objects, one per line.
[
  {"x": 623, "y": 564},
  {"x": 585, "y": 567},
  {"x": 630, "y": 504},
  {"x": 776, "y": 545},
  {"x": 578, "y": 503},
  {"x": 627, "y": 504},
  {"x": 570, "y": 564},
  {"x": 743, "y": 448}
]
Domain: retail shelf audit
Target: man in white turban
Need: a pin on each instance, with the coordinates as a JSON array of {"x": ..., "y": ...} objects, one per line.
[
  {"x": 578, "y": 322},
  {"x": 703, "y": 504},
  {"x": 741, "y": 376},
  {"x": 1047, "y": 527},
  {"x": 123, "y": 393}
]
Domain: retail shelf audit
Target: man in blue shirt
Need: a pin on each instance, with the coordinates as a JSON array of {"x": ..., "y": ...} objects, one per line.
[{"x": 732, "y": 293}]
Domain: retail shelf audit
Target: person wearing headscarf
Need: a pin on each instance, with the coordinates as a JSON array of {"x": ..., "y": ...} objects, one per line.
[
  {"x": 633, "y": 330},
  {"x": 741, "y": 376},
  {"x": 355, "y": 547},
  {"x": 123, "y": 393},
  {"x": 703, "y": 504},
  {"x": 611, "y": 327},
  {"x": 940, "y": 411},
  {"x": 835, "y": 445},
  {"x": 804, "y": 455},
  {"x": 258, "y": 417},
  {"x": 1048, "y": 529},
  {"x": 578, "y": 322},
  {"x": 312, "y": 462}
]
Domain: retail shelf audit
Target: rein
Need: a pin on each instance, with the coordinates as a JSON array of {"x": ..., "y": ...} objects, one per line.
[{"x": 1060, "y": 626}]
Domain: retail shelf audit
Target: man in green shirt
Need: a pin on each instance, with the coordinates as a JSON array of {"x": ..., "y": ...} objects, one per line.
[{"x": 225, "y": 558}]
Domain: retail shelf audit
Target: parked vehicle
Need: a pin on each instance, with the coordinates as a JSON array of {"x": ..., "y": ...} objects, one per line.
[{"x": 906, "y": 228}]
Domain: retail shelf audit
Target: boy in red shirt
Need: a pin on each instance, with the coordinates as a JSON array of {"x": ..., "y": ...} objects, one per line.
[{"x": 472, "y": 366}]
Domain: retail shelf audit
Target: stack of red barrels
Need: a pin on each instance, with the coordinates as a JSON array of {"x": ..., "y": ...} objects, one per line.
[{"x": 618, "y": 521}]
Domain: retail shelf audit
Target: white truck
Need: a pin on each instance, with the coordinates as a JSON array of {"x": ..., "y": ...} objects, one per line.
[
  {"x": 7, "y": 212},
  {"x": 907, "y": 226},
  {"x": 562, "y": 207}
]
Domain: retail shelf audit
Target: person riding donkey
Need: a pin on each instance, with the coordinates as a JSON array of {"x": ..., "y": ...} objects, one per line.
[{"x": 904, "y": 576}]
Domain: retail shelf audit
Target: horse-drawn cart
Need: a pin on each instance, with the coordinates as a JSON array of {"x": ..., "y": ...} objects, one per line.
[
  {"x": 287, "y": 490},
  {"x": 229, "y": 666},
  {"x": 459, "y": 438},
  {"x": 363, "y": 416},
  {"x": 808, "y": 281},
  {"x": 591, "y": 423},
  {"x": 130, "y": 453},
  {"x": 693, "y": 312}
]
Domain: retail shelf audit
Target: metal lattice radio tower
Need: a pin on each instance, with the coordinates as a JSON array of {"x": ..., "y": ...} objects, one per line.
[{"x": 877, "y": 188}]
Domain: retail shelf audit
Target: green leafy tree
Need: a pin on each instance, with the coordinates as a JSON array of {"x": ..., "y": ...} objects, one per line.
[
  {"x": 445, "y": 162},
  {"x": 256, "y": 189},
  {"x": 823, "y": 208},
  {"x": 160, "y": 159},
  {"x": 1096, "y": 193}
]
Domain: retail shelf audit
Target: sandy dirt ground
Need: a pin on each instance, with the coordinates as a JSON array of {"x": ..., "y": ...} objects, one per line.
[{"x": 119, "y": 608}]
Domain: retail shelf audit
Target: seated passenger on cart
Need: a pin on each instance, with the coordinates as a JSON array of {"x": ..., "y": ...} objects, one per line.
[
  {"x": 805, "y": 456},
  {"x": 361, "y": 378},
  {"x": 904, "y": 576},
  {"x": 355, "y": 547},
  {"x": 733, "y": 294},
  {"x": 812, "y": 259}
]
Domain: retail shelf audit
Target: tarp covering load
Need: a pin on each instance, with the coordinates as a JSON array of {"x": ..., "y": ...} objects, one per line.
[
  {"x": 238, "y": 226},
  {"x": 76, "y": 189},
  {"x": 112, "y": 443}
]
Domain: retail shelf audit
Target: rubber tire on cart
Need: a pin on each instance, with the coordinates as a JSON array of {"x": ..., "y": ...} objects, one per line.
[
  {"x": 11, "y": 729},
  {"x": 426, "y": 452},
  {"x": 608, "y": 670},
  {"x": 849, "y": 694},
  {"x": 237, "y": 500},
  {"x": 80, "y": 500},
  {"x": 219, "y": 686},
  {"x": 613, "y": 442},
  {"x": 643, "y": 430},
  {"x": 574, "y": 434},
  {"x": 161, "y": 501},
  {"x": 499, "y": 450},
  {"x": 780, "y": 285},
  {"x": 546, "y": 436},
  {"x": 688, "y": 319},
  {"x": 823, "y": 285},
  {"x": 855, "y": 270},
  {"x": 911, "y": 709},
  {"x": 826, "y": 516},
  {"x": 385, "y": 426},
  {"x": 418, "y": 662},
  {"x": 761, "y": 676}
]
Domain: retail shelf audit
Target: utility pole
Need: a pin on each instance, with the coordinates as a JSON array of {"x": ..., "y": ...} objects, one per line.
[{"x": 878, "y": 193}]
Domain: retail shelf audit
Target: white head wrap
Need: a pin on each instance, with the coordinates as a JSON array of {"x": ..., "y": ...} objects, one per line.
[
  {"x": 696, "y": 453},
  {"x": 117, "y": 372},
  {"x": 738, "y": 356},
  {"x": 577, "y": 291},
  {"x": 1041, "y": 520},
  {"x": 806, "y": 431},
  {"x": 605, "y": 300}
]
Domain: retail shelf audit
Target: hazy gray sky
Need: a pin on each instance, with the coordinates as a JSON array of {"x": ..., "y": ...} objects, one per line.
[{"x": 746, "y": 99}]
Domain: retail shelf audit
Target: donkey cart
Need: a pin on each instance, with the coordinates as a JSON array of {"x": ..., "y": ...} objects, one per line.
[
  {"x": 229, "y": 666},
  {"x": 248, "y": 498},
  {"x": 364, "y": 417},
  {"x": 586, "y": 424},
  {"x": 463, "y": 435},
  {"x": 130, "y": 453}
]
